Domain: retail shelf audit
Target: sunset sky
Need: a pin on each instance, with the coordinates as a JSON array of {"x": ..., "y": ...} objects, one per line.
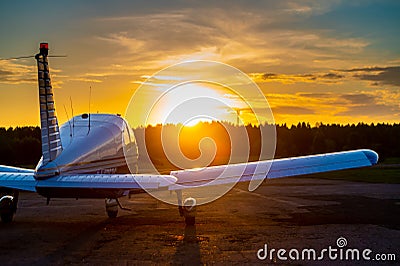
[{"x": 315, "y": 61}]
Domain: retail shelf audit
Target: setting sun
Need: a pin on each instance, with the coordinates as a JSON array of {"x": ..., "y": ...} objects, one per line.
[{"x": 195, "y": 91}]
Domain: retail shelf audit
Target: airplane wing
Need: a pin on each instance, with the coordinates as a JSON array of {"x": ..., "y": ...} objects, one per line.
[
  {"x": 23, "y": 179},
  {"x": 258, "y": 171},
  {"x": 108, "y": 181}
]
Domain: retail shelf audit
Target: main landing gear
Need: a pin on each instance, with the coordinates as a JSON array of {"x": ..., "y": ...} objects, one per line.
[
  {"x": 112, "y": 206},
  {"x": 8, "y": 204},
  {"x": 187, "y": 209}
]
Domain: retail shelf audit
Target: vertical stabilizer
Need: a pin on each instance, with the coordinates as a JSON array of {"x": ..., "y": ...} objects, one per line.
[{"x": 51, "y": 142}]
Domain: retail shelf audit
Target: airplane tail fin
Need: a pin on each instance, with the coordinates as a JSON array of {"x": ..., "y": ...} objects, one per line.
[{"x": 51, "y": 141}]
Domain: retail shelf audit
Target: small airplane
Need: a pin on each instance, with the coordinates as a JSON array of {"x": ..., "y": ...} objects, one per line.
[{"x": 85, "y": 158}]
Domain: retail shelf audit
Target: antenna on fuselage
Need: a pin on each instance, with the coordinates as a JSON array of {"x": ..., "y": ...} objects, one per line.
[
  {"x": 72, "y": 113},
  {"x": 90, "y": 96},
  {"x": 69, "y": 122}
]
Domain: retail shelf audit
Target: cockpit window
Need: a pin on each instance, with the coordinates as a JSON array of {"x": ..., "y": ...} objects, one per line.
[{"x": 126, "y": 135}]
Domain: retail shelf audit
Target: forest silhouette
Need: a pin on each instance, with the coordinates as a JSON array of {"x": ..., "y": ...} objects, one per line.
[{"x": 21, "y": 146}]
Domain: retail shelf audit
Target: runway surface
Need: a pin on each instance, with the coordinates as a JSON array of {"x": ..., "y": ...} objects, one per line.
[{"x": 287, "y": 213}]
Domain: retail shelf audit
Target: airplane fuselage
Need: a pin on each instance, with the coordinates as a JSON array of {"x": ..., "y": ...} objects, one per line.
[{"x": 101, "y": 144}]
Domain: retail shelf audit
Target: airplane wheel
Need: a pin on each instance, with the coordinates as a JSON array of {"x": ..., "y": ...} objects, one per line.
[
  {"x": 7, "y": 208},
  {"x": 112, "y": 208},
  {"x": 112, "y": 214},
  {"x": 190, "y": 220},
  {"x": 189, "y": 211}
]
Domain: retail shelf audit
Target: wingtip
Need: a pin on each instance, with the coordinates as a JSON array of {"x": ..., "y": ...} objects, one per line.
[{"x": 372, "y": 156}]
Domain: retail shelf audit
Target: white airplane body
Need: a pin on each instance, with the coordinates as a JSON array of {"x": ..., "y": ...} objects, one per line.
[{"x": 85, "y": 158}]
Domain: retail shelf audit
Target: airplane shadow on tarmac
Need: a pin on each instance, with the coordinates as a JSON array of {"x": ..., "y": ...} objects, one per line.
[{"x": 188, "y": 249}]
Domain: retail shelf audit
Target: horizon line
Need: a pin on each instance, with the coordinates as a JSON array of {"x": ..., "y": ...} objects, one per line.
[{"x": 316, "y": 125}]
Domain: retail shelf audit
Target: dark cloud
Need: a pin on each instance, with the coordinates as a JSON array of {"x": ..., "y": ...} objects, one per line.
[
  {"x": 377, "y": 75},
  {"x": 359, "y": 99},
  {"x": 269, "y": 76},
  {"x": 5, "y": 73},
  {"x": 370, "y": 110},
  {"x": 17, "y": 76},
  {"x": 365, "y": 69},
  {"x": 322, "y": 77},
  {"x": 292, "y": 110},
  {"x": 308, "y": 76},
  {"x": 388, "y": 76},
  {"x": 360, "y": 104},
  {"x": 332, "y": 76},
  {"x": 323, "y": 97},
  {"x": 315, "y": 95}
]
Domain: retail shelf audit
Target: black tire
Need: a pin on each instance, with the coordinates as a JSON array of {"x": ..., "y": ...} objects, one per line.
[
  {"x": 112, "y": 214},
  {"x": 190, "y": 220},
  {"x": 7, "y": 208}
]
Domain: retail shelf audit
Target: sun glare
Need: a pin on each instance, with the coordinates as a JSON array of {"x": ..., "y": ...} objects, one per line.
[
  {"x": 192, "y": 103},
  {"x": 191, "y": 92}
]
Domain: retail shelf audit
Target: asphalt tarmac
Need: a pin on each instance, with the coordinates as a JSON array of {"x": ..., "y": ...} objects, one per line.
[{"x": 290, "y": 213}]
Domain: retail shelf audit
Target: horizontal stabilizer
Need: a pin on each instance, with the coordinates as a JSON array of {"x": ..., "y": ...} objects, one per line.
[
  {"x": 18, "y": 180},
  {"x": 12, "y": 169},
  {"x": 26, "y": 181}
]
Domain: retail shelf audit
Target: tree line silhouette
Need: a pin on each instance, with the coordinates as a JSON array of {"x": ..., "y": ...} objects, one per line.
[{"x": 21, "y": 146}]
